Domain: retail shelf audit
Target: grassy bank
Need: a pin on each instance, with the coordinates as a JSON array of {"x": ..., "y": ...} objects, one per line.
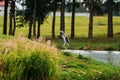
[
  {"x": 77, "y": 67},
  {"x": 91, "y": 44},
  {"x": 23, "y": 59}
]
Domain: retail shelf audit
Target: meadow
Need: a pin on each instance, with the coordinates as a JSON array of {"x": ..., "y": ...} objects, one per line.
[
  {"x": 99, "y": 41},
  {"x": 24, "y": 59},
  {"x": 81, "y": 41}
]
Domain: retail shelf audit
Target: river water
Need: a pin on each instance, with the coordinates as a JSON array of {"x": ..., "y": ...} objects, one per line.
[{"x": 112, "y": 57}]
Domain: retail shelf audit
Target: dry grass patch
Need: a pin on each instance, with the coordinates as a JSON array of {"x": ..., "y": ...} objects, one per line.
[{"x": 24, "y": 59}]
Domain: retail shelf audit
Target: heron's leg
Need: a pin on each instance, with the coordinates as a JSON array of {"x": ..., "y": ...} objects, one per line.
[
  {"x": 64, "y": 46},
  {"x": 68, "y": 45}
]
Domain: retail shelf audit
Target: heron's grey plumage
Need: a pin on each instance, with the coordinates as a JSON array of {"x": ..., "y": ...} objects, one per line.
[{"x": 65, "y": 39}]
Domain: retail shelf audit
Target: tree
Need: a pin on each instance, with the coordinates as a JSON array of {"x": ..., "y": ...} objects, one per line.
[
  {"x": 30, "y": 26},
  {"x": 62, "y": 18},
  {"x": 54, "y": 7},
  {"x": 36, "y": 11},
  {"x": 97, "y": 6},
  {"x": 73, "y": 20},
  {"x": 110, "y": 20},
  {"x": 54, "y": 17},
  {"x": 5, "y": 17},
  {"x": 12, "y": 22},
  {"x": 29, "y": 16},
  {"x": 86, "y": 3},
  {"x": 42, "y": 10},
  {"x": 38, "y": 32},
  {"x": 89, "y": 5},
  {"x": 34, "y": 19},
  {"x": 90, "y": 20},
  {"x": 10, "y": 17},
  {"x": 14, "y": 25},
  {"x": 117, "y": 8}
]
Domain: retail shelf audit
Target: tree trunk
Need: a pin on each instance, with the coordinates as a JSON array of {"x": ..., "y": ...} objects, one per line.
[
  {"x": 38, "y": 32},
  {"x": 62, "y": 20},
  {"x": 5, "y": 18},
  {"x": 14, "y": 26},
  {"x": 12, "y": 23},
  {"x": 110, "y": 20},
  {"x": 10, "y": 18},
  {"x": 73, "y": 20},
  {"x": 53, "y": 20},
  {"x": 90, "y": 20},
  {"x": 34, "y": 20},
  {"x": 30, "y": 29},
  {"x": 34, "y": 29}
]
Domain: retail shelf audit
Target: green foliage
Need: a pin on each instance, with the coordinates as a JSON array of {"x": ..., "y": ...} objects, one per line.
[
  {"x": 81, "y": 48},
  {"x": 42, "y": 9},
  {"x": 110, "y": 48},
  {"x": 119, "y": 46},
  {"x": 67, "y": 53},
  {"x": 20, "y": 21},
  {"x": 84, "y": 58}
]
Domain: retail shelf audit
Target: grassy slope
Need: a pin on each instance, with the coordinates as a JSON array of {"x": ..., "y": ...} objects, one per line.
[{"x": 77, "y": 67}]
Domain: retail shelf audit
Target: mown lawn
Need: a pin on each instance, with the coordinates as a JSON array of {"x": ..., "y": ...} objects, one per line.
[{"x": 99, "y": 41}]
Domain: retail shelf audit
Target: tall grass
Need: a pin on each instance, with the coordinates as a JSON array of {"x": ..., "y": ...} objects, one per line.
[{"x": 23, "y": 59}]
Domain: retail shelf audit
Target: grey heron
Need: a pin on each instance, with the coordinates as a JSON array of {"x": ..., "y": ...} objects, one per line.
[{"x": 66, "y": 41}]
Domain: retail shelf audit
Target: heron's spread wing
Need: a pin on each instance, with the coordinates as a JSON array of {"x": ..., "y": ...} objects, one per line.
[{"x": 67, "y": 40}]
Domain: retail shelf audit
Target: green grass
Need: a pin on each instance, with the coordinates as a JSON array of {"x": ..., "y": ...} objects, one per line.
[
  {"x": 77, "y": 67},
  {"x": 91, "y": 44},
  {"x": 81, "y": 27},
  {"x": 24, "y": 59},
  {"x": 99, "y": 41}
]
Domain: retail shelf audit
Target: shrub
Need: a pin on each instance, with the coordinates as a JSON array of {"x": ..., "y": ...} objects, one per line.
[
  {"x": 109, "y": 48},
  {"x": 81, "y": 48},
  {"x": 84, "y": 58},
  {"x": 67, "y": 53},
  {"x": 119, "y": 46},
  {"x": 29, "y": 60}
]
